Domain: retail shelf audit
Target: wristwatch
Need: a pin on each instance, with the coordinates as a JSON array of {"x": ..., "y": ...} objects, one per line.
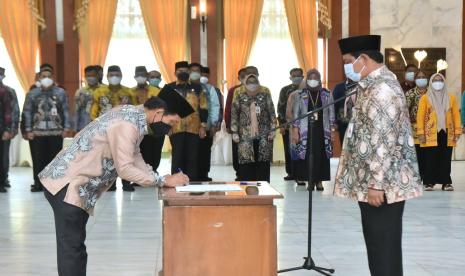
[{"x": 160, "y": 181}]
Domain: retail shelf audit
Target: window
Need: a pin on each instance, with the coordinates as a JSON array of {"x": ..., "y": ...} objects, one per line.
[
  {"x": 129, "y": 45},
  {"x": 273, "y": 33},
  {"x": 10, "y": 75}
]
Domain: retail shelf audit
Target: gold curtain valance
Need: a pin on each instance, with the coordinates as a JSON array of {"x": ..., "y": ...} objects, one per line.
[
  {"x": 324, "y": 13},
  {"x": 37, "y": 9},
  {"x": 80, "y": 12}
]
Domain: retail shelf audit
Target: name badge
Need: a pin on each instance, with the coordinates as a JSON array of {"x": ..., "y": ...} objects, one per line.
[
  {"x": 54, "y": 111},
  {"x": 315, "y": 116},
  {"x": 350, "y": 130}
]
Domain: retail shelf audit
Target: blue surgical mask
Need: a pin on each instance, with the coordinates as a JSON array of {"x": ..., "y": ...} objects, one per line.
[
  {"x": 421, "y": 82},
  {"x": 154, "y": 82},
  {"x": 350, "y": 72}
]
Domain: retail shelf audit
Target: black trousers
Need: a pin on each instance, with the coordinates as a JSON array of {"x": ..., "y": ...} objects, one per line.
[
  {"x": 70, "y": 228},
  {"x": 2, "y": 164},
  {"x": 437, "y": 162},
  {"x": 6, "y": 160},
  {"x": 205, "y": 154},
  {"x": 43, "y": 150},
  {"x": 421, "y": 162},
  {"x": 256, "y": 171},
  {"x": 185, "y": 150},
  {"x": 287, "y": 153},
  {"x": 235, "y": 158},
  {"x": 151, "y": 148},
  {"x": 382, "y": 229}
]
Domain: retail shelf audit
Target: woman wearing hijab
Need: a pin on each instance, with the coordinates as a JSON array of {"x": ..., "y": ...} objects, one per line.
[
  {"x": 413, "y": 98},
  {"x": 311, "y": 96},
  {"x": 253, "y": 114},
  {"x": 438, "y": 129}
]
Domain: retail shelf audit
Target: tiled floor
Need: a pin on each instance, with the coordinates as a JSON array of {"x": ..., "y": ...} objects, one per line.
[{"x": 124, "y": 236}]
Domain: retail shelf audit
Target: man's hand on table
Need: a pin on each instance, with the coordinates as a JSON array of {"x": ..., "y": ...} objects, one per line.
[{"x": 178, "y": 179}]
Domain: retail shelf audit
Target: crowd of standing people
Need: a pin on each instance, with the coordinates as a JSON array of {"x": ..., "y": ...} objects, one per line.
[{"x": 248, "y": 113}]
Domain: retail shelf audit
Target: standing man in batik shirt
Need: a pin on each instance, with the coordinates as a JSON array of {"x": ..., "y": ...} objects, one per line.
[
  {"x": 213, "y": 124},
  {"x": 296, "y": 77},
  {"x": 378, "y": 165},
  {"x": 104, "y": 149},
  {"x": 107, "y": 97},
  {"x": 151, "y": 145},
  {"x": 5, "y": 126},
  {"x": 83, "y": 98},
  {"x": 241, "y": 74},
  {"x": 14, "y": 128},
  {"x": 186, "y": 134},
  {"x": 46, "y": 122}
]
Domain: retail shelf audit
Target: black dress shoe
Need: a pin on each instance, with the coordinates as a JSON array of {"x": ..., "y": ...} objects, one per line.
[
  {"x": 36, "y": 188},
  {"x": 128, "y": 188},
  {"x": 288, "y": 178},
  {"x": 319, "y": 187},
  {"x": 2, "y": 189},
  {"x": 301, "y": 183}
]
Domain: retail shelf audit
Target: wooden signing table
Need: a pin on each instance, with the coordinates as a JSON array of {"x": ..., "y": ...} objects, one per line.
[{"x": 220, "y": 233}]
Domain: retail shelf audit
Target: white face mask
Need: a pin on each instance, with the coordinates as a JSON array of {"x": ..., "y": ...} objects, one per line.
[
  {"x": 46, "y": 82},
  {"x": 37, "y": 84},
  {"x": 141, "y": 80},
  {"x": 422, "y": 82},
  {"x": 437, "y": 85},
  {"x": 203, "y": 80},
  {"x": 409, "y": 76},
  {"x": 114, "y": 80},
  {"x": 194, "y": 76},
  {"x": 2, "y": 77},
  {"x": 350, "y": 72},
  {"x": 313, "y": 83}
]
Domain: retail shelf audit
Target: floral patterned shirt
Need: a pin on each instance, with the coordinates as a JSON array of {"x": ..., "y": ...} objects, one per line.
[
  {"x": 241, "y": 125},
  {"x": 106, "y": 148},
  {"x": 378, "y": 150},
  {"x": 413, "y": 98}
]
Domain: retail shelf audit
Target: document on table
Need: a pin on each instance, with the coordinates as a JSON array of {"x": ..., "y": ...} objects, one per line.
[{"x": 208, "y": 188}]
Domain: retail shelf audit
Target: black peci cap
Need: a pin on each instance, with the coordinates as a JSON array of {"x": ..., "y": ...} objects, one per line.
[
  {"x": 205, "y": 70},
  {"x": 355, "y": 44},
  {"x": 181, "y": 64},
  {"x": 141, "y": 69},
  {"x": 114, "y": 68}
]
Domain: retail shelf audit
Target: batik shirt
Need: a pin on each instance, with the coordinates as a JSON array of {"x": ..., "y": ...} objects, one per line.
[
  {"x": 241, "y": 125},
  {"x": 378, "y": 150},
  {"x": 46, "y": 112},
  {"x": 301, "y": 103},
  {"x": 106, "y": 148},
  {"x": 413, "y": 98},
  {"x": 105, "y": 99},
  {"x": 15, "y": 113},
  {"x": 197, "y": 98},
  {"x": 5, "y": 110},
  {"x": 83, "y": 101},
  {"x": 282, "y": 102}
]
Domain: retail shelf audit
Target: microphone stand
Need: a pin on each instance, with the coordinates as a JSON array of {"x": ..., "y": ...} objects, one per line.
[{"x": 309, "y": 264}]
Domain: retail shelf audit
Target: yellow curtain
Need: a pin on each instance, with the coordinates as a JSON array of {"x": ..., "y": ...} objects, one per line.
[
  {"x": 94, "y": 21},
  {"x": 166, "y": 24},
  {"x": 303, "y": 27},
  {"x": 241, "y": 22},
  {"x": 20, "y": 32}
]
